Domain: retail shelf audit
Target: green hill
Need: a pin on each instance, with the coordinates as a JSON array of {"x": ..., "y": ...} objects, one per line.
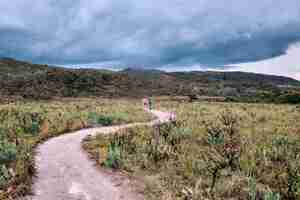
[{"x": 27, "y": 80}]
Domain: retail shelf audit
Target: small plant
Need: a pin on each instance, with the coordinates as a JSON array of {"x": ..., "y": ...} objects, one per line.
[
  {"x": 215, "y": 135},
  {"x": 165, "y": 141},
  {"x": 293, "y": 178},
  {"x": 33, "y": 129},
  {"x": 156, "y": 147},
  {"x": 271, "y": 196},
  {"x": 280, "y": 148},
  {"x": 8, "y": 152},
  {"x": 95, "y": 118},
  {"x": 286, "y": 151},
  {"x": 252, "y": 188},
  {"x": 104, "y": 120},
  {"x": 113, "y": 157},
  {"x": 92, "y": 117},
  {"x": 4, "y": 175},
  {"x": 174, "y": 135}
]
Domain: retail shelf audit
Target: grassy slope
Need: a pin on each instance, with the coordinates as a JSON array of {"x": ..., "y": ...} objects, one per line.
[
  {"x": 178, "y": 162},
  {"x": 23, "y": 125}
]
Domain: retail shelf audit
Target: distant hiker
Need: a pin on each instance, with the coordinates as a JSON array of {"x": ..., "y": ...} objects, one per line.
[
  {"x": 172, "y": 117},
  {"x": 146, "y": 103}
]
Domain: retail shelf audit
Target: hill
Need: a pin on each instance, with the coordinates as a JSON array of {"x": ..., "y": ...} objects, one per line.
[{"x": 27, "y": 80}]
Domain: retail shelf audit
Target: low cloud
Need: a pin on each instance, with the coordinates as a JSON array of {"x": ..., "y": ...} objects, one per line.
[{"x": 287, "y": 64}]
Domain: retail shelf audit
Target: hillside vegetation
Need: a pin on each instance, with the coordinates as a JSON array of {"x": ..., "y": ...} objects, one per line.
[
  {"x": 25, "y": 124},
  {"x": 30, "y": 81},
  {"x": 214, "y": 151}
]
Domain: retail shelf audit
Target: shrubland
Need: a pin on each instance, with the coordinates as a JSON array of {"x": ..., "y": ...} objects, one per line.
[
  {"x": 213, "y": 151},
  {"x": 26, "y": 124},
  {"x": 24, "y": 80}
]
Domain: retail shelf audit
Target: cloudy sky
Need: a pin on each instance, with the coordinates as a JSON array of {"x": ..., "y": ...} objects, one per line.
[{"x": 169, "y": 34}]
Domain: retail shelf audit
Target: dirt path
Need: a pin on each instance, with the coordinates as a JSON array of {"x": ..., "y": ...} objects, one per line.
[{"x": 64, "y": 171}]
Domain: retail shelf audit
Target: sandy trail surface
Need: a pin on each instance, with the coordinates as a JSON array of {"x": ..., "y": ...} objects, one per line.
[{"x": 64, "y": 171}]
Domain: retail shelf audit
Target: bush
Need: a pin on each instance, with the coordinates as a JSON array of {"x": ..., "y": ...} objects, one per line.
[
  {"x": 279, "y": 148},
  {"x": 215, "y": 135},
  {"x": 4, "y": 175},
  {"x": 157, "y": 145},
  {"x": 223, "y": 146},
  {"x": 8, "y": 152},
  {"x": 113, "y": 157},
  {"x": 271, "y": 196},
  {"x": 95, "y": 118},
  {"x": 252, "y": 188},
  {"x": 33, "y": 128},
  {"x": 92, "y": 117},
  {"x": 104, "y": 120},
  {"x": 285, "y": 151}
]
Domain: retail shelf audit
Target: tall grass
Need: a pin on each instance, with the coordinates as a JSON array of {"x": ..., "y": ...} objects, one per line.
[
  {"x": 24, "y": 125},
  {"x": 214, "y": 151}
]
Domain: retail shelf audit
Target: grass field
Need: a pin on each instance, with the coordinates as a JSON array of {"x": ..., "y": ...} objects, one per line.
[
  {"x": 25, "y": 124},
  {"x": 213, "y": 151}
]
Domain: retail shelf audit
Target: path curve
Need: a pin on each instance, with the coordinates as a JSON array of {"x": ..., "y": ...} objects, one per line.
[{"x": 64, "y": 171}]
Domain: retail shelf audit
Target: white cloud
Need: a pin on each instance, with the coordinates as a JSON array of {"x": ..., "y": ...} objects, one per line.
[{"x": 286, "y": 65}]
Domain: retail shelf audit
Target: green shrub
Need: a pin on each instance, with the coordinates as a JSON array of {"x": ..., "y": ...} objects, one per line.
[
  {"x": 171, "y": 134},
  {"x": 4, "y": 175},
  {"x": 271, "y": 196},
  {"x": 177, "y": 134},
  {"x": 92, "y": 117},
  {"x": 224, "y": 138},
  {"x": 163, "y": 142},
  {"x": 8, "y": 152},
  {"x": 293, "y": 179},
  {"x": 252, "y": 188},
  {"x": 105, "y": 120},
  {"x": 280, "y": 148},
  {"x": 223, "y": 147},
  {"x": 95, "y": 118},
  {"x": 114, "y": 156},
  {"x": 285, "y": 151},
  {"x": 33, "y": 128},
  {"x": 215, "y": 135}
]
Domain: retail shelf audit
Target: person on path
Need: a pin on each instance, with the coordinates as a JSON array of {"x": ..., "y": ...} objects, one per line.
[{"x": 146, "y": 103}]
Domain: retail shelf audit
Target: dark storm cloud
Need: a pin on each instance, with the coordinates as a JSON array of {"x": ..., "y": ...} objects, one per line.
[{"x": 148, "y": 33}]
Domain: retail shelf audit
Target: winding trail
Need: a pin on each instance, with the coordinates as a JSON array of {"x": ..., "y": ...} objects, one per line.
[{"x": 64, "y": 171}]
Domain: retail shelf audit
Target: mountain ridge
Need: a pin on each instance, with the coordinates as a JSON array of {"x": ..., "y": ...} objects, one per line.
[{"x": 19, "y": 78}]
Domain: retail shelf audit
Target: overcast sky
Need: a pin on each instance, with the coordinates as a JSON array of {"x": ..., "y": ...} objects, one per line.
[{"x": 158, "y": 33}]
